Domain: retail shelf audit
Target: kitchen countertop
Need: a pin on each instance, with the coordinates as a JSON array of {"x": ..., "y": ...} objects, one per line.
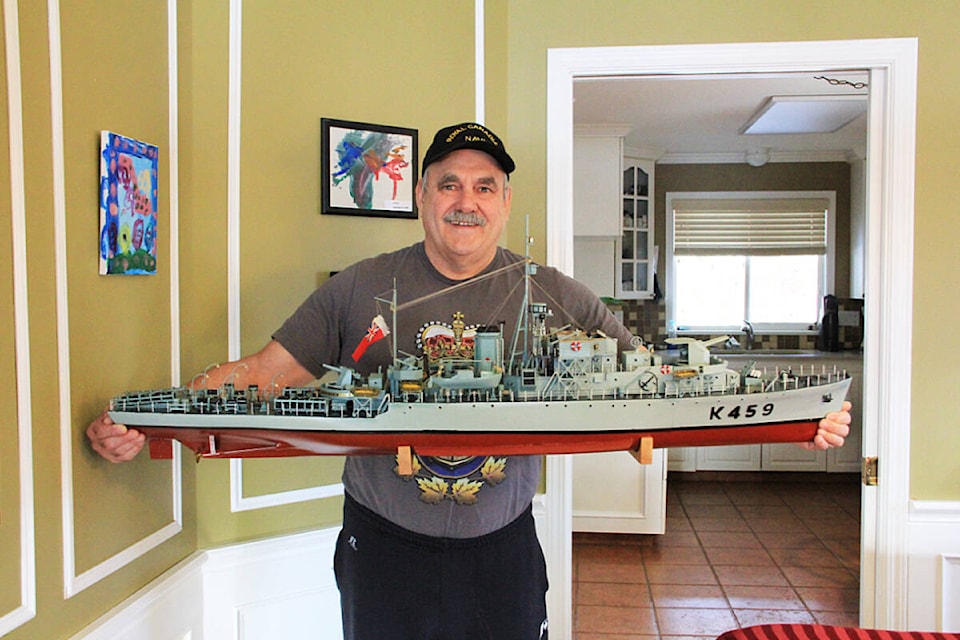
[{"x": 786, "y": 353}]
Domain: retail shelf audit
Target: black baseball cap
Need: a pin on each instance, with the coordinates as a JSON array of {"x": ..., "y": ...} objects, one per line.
[{"x": 468, "y": 135}]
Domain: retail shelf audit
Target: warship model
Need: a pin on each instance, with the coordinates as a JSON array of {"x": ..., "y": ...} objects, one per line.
[{"x": 559, "y": 391}]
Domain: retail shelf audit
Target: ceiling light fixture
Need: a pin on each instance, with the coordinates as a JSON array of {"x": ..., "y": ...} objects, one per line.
[
  {"x": 757, "y": 157},
  {"x": 805, "y": 114}
]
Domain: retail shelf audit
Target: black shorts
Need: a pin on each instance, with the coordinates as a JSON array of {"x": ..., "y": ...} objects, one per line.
[{"x": 399, "y": 585}]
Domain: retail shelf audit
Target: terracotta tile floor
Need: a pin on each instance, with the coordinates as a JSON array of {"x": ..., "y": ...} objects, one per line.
[{"x": 740, "y": 549}]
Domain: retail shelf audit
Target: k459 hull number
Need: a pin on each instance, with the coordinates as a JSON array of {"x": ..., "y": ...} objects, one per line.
[{"x": 741, "y": 412}]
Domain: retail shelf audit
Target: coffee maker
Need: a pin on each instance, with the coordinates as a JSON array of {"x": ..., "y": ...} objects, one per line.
[{"x": 829, "y": 338}]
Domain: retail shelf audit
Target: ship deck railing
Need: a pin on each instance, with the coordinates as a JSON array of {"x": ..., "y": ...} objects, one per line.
[{"x": 785, "y": 378}]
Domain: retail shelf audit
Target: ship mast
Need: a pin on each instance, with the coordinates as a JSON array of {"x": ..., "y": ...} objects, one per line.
[
  {"x": 529, "y": 269},
  {"x": 393, "y": 319}
]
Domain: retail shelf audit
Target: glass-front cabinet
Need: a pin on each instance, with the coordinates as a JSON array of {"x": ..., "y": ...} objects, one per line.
[{"x": 635, "y": 254}]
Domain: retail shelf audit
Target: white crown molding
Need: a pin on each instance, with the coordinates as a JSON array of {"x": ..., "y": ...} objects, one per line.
[
  {"x": 647, "y": 153},
  {"x": 601, "y": 130},
  {"x": 740, "y": 158}
]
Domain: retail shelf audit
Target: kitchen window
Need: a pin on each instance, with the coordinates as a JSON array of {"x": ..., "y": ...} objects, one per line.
[{"x": 760, "y": 257}]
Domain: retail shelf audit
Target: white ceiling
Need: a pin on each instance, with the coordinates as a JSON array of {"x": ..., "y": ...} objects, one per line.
[{"x": 698, "y": 118}]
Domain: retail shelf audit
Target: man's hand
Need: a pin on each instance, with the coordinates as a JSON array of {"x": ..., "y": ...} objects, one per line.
[
  {"x": 114, "y": 441},
  {"x": 832, "y": 430}
]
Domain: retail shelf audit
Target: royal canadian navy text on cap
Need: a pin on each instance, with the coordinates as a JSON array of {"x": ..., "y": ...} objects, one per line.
[{"x": 468, "y": 135}]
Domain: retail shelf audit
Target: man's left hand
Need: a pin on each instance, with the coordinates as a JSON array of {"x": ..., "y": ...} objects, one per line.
[{"x": 832, "y": 430}]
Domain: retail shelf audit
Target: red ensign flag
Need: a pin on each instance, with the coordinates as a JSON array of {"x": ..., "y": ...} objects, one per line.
[{"x": 377, "y": 331}]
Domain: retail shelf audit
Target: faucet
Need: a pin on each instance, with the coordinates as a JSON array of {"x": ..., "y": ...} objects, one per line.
[{"x": 747, "y": 330}]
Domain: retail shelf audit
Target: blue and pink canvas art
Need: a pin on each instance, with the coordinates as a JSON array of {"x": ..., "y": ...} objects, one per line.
[{"x": 128, "y": 205}]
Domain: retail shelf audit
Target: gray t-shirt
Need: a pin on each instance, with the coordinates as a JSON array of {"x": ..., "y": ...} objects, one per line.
[{"x": 453, "y": 497}]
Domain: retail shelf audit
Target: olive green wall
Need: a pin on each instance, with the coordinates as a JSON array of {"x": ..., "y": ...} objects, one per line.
[
  {"x": 117, "y": 329},
  {"x": 410, "y": 65},
  {"x": 935, "y": 469}
]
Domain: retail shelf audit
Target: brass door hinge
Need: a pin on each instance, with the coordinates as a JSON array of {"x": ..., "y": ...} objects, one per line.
[{"x": 868, "y": 472}]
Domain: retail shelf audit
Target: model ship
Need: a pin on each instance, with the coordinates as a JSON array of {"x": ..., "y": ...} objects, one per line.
[{"x": 560, "y": 391}]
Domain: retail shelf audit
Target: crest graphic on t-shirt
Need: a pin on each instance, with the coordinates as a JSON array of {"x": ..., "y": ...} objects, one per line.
[
  {"x": 439, "y": 340},
  {"x": 457, "y": 478}
]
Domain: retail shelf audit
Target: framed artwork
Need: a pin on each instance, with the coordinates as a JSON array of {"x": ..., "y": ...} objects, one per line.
[
  {"x": 367, "y": 169},
  {"x": 128, "y": 205}
]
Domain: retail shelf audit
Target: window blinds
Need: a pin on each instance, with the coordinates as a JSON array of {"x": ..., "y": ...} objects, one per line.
[{"x": 750, "y": 226}]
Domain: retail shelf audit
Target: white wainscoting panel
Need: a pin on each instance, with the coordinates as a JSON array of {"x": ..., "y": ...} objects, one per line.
[
  {"x": 275, "y": 588},
  {"x": 934, "y": 567},
  {"x": 280, "y": 587},
  {"x": 169, "y": 608}
]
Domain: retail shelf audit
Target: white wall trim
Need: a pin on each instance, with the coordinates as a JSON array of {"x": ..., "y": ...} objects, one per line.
[
  {"x": 233, "y": 181},
  {"x": 27, "y": 608},
  {"x": 239, "y": 502},
  {"x": 173, "y": 161},
  {"x": 479, "y": 57},
  {"x": 74, "y": 583},
  {"x": 554, "y": 516},
  {"x": 932, "y": 511},
  {"x": 890, "y": 207}
]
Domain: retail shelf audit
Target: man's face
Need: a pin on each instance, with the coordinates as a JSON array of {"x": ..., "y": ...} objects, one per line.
[{"x": 464, "y": 202}]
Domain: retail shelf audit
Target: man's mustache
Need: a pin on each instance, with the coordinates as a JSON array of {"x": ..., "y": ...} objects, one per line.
[{"x": 465, "y": 217}]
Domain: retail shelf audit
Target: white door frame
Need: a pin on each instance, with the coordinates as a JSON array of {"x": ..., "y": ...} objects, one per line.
[{"x": 891, "y": 139}]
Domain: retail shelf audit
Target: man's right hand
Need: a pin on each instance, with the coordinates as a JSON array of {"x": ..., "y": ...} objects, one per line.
[{"x": 114, "y": 441}]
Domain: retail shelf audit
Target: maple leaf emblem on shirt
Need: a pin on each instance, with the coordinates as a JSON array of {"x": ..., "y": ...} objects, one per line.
[
  {"x": 464, "y": 491},
  {"x": 433, "y": 490},
  {"x": 492, "y": 470}
]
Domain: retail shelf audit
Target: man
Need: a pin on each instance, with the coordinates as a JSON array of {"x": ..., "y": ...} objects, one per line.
[{"x": 418, "y": 557}]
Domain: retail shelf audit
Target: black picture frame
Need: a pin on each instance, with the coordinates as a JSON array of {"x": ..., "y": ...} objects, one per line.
[{"x": 367, "y": 169}]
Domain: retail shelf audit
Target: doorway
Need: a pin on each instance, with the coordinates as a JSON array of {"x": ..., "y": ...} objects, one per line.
[{"x": 888, "y": 268}]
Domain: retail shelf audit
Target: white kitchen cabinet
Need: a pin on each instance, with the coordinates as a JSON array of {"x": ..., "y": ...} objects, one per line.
[
  {"x": 744, "y": 457},
  {"x": 636, "y": 258},
  {"x": 613, "y": 221},
  {"x": 594, "y": 259},
  {"x": 613, "y": 493},
  {"x": 597, "y": 161},
  {"x": 784, "y": 457}
]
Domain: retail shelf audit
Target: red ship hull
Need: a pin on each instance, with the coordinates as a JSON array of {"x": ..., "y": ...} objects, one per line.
[{"x": 273, "y": 443}]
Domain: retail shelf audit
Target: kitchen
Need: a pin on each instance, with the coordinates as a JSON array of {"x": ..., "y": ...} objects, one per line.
[
  {"x": 689, "y": 146},
  {"x": 650, "y": 146}
]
